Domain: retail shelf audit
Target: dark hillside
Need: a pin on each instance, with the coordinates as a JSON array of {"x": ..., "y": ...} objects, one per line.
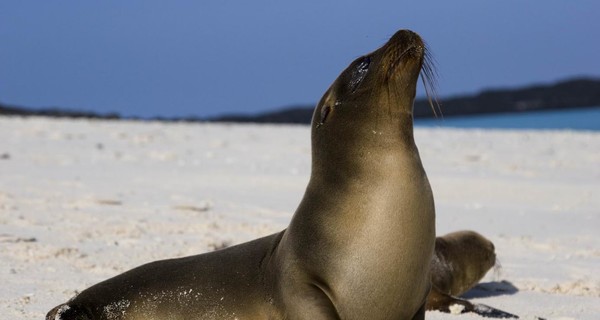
[{"x": 573, "y": 93}]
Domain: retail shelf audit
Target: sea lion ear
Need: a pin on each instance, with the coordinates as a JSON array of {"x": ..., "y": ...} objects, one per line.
[
  {"x": 325, "y": 110},
  {"x": 327, "y": 104}
]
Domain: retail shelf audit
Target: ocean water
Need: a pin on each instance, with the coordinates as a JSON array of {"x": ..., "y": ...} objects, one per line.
[{"x": 572, "y": 119}]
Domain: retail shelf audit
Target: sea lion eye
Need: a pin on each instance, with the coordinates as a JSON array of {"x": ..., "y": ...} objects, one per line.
[
  {"x": 359, "y": 72},
  {"x": 364, "y": 64}
]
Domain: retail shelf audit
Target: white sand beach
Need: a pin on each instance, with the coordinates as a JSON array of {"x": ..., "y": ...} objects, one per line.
[{"x": 81, "y": 201}]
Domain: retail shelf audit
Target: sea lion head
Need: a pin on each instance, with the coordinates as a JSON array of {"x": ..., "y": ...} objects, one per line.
[{"x": 369, "y": 107}]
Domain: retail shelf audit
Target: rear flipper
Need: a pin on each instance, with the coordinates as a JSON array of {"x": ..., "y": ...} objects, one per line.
[
  {"x": 489, "y": 312},
  {"x": 446, "y": 303},
  {"x": 66, "y": 312}
]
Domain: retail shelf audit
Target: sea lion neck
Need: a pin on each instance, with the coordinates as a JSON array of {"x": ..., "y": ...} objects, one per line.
[{"x": 369, "y": 109}]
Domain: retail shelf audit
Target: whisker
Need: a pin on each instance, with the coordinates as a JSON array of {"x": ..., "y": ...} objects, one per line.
[
  {"x": 429, "y": 78},
  {"x": 397, "y": 61}
]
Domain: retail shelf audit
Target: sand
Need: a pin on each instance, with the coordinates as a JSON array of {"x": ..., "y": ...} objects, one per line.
[{"x": 81, "y": 201}]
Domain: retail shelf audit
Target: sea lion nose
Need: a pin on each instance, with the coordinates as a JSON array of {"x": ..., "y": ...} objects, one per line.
[{"x": 406, "y": 37}]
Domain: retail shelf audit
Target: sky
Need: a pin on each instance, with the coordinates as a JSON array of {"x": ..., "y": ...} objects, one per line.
[{"x": 205, "y": 58}]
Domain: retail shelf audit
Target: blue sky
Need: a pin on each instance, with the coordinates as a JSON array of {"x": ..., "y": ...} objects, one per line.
[{"x": 204, "y": 58}]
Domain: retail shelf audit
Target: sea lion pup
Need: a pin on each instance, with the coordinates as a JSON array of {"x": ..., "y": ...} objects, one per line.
[
  {"x": 359, "y": 246},
  {"x": 460, "y": 260}
]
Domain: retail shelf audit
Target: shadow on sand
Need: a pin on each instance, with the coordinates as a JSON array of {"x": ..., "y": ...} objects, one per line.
[{"x": 491, "y": 289}]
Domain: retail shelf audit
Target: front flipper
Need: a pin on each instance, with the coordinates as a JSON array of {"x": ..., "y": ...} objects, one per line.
[{"x": 420, "y": 315}]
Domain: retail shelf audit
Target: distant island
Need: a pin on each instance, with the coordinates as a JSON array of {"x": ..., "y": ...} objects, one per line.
[{"x": 571, "y": 93}]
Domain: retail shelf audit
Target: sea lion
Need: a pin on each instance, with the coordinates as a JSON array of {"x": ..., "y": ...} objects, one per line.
[
  {"x": 460, "y": 260},
  {"x": 359, "y": 246}
]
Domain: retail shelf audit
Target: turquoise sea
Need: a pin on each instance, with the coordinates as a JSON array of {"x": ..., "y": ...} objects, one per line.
[{"x": 572, "y": 119}]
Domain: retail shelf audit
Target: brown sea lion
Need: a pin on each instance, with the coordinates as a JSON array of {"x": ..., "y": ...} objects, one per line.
[
  {"x": 359, "y": 246},
  {"x": 460, "y": 260}
]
